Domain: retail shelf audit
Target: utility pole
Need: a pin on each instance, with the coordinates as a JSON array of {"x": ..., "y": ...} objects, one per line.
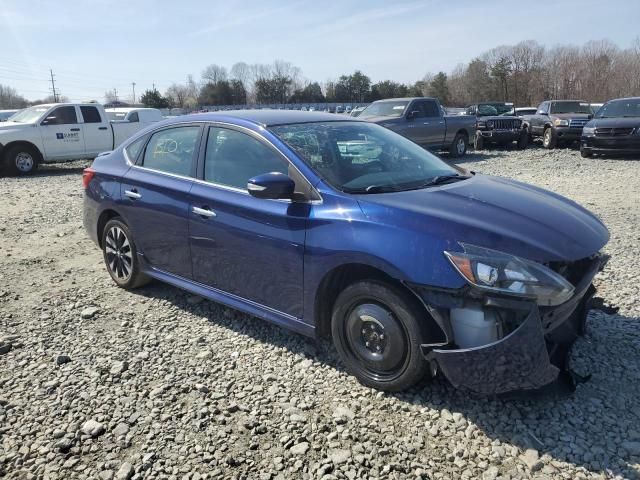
[
  {"x": 133, "y": 84},
  {"x": 154, "y": 86},
  {"x": 53, "y": 87},
  {"x": 115, "y": 93}
]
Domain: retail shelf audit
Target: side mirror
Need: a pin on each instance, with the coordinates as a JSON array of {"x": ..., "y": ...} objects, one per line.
[
  {"x": 272, "y": 185},
  {"x": 412, "y": 114},
  {"x": 49, "y": 120}
]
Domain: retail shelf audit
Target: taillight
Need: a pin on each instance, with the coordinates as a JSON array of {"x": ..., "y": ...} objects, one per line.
[{"x": 87, "y": 176}]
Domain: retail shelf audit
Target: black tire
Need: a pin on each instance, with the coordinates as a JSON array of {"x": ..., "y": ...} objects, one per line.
[
  {"x": 120, "y": 255},
  {"x": 523, "y": 140},
  {"x": 21, "y": 160},
  {"x": 377, "y": 329},
  {"x": 586, "y": 152},
  {"x": 459, "y": 146},
  {"x": 478, "y": 142},
  {"x": 549, "y": 138}
]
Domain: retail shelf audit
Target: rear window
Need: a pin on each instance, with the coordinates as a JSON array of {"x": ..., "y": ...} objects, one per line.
[{"x": 90, "y": 115}]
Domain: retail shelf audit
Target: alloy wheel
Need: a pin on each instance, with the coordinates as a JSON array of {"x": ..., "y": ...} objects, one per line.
[
  {"x": 460, "y": 146},
  {"x": 118, "y": 253}
]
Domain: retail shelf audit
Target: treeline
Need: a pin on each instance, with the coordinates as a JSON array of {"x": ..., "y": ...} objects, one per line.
[{"x": 526, "y": 74}]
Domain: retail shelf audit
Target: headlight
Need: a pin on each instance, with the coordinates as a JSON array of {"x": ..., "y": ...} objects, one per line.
[
  {"x": 588, "y": 131},
  {"x": 559, "y": 122},
  {"x": 503, "y": 273},
  {"x": 490, "y": 124}
]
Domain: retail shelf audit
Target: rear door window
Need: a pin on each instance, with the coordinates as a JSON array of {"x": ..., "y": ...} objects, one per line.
[
  {"x": 172, "y": 150},
  {"x": 90, "y": 115}
]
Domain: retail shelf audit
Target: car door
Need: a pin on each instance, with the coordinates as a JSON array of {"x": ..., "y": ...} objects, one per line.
[
  {"x": 62, "y": 136},
  {"x": 537, "y": 126},
  {"x": 434, "y": 123},
  {"x": 155, "y": 198},
  {"x": 248, "y": 247},
  {"x": 97, "y": 132},
  {"x": 417, "y": 128}
]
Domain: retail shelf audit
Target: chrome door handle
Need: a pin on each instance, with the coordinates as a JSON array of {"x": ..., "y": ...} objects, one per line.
[
  {"x": 131, "y": 194},
  {"x": 425, "y": 123},
  {"x": 204, "y": 212}
]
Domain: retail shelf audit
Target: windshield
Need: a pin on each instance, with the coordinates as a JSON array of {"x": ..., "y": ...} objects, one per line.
[
  {"x": 490, "y": 109},
  {"x": 359, "y": 157},
  {"x": 570, "y": 107},
  {"x": 620, "y": 108},
  {"x": 113, "y": 116},
  {"x": 29, "y": 115},
  {"x": 384, "y": 109}
]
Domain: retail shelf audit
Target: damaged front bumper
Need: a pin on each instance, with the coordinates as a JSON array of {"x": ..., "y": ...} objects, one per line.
[{"x": 529, "y": 357}]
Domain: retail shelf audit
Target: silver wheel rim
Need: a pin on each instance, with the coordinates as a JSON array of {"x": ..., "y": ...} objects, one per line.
[
  {"x": 118, "y": 254},
  {"x": 547, "y": 137},
  {"x": 24, "y": 162},
  {"x": 460, "y": 146}
]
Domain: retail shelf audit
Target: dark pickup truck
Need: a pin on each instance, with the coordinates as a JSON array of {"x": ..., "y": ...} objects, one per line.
[
  {"x": 558, "y": 121},
  {"x": 496, "y": 126},
  {"x": 615, "y": 129},
  {"x": 423, "y": 120}
]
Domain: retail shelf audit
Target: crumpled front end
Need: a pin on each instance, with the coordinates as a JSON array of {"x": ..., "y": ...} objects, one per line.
[
  {"x": 520, "y": 361},
  {"x": 530, "y": 344}
]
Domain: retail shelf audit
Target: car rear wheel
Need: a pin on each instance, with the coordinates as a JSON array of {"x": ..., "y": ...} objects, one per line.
[
  {"x": 120, "y": 255},
  {"x": 459, "y": 146},
  {"x": 549, "y": 138},
  {"x": 377, "y": 329},
  {"x": 21, "y": 160}
]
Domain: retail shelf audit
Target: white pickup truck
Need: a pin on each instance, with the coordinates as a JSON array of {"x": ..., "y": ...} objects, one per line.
[{"x": 65, "y": 131}]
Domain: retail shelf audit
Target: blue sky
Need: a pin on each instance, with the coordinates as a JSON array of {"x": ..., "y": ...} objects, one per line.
[{"x": 94, "y": 45}]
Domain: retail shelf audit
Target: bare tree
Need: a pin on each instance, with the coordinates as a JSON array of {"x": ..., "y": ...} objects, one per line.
[{"x": 214, "y": 73}]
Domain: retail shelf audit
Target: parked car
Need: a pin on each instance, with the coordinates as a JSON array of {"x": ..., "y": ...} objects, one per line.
[
  {"x": 6, "y": 114},
  {"x": 422, "y": 120},
  {"x": 58, "y": 132},
  {"x": 558, "y": 121},
  {"x": 494, "y": 128},
  {"x": 615, "y": 129},
  {"x": 348, "y": 109},
  {"x": 339, "y": 109},
  {"x": 133, "y": 119},
  {"x": 356, "y": 111},
  {"x": 336, "y": 227}
]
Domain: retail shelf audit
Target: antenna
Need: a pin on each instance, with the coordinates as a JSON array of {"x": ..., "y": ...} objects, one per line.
[{"x": 133, "y": 84}]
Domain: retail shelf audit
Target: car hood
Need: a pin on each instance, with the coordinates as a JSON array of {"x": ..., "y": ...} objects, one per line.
[
  {"x": 618, "y": 122},
  {"x": 10, "y": 126},
  {"x": 495, "y": 213}
]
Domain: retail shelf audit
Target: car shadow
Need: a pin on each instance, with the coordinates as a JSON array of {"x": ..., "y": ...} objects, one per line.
[
  {"x": 555, "y": 421},
  {"x": 54, "y": 169}
]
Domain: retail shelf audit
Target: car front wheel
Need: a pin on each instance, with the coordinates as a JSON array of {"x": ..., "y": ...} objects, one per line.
[
  {"x": 549, "y": 138},
  {"x": 377, "y": 329},
  {"x": 21, "y": 160},
  {"x": 120, "y": 255}
]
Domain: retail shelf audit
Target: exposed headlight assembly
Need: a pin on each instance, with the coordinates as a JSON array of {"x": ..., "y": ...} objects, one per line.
[
  {"x": 559, "y": 122},
  {"x": 507, "y": 274},
  {"x": 588, "y": 131}
]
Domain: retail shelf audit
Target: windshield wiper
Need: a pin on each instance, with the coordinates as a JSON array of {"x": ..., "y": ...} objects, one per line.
[{"x": 442, "y": 179}]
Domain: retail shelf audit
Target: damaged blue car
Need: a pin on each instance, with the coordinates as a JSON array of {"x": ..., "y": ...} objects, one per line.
[{"x": 339, "y": 228}]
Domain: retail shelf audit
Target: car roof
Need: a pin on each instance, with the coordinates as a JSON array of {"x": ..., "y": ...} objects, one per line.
[
  {"x": 128, "y": 109},
  {"x": 268, "y": 118},
  {"x": 404, "y": 99}
]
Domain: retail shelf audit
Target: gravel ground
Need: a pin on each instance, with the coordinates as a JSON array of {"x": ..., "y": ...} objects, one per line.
[{"x": 97, "y": 382}]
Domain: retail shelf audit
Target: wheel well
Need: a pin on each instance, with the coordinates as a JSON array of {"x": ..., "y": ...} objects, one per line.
[
  {"x": 102, "y": 221},
  {"x": 335, "y": 282},
  {"x": 464, "y": 133},
  {"x": 25, "y": 144}
]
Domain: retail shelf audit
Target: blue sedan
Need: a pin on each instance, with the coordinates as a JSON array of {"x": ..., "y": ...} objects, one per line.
[{"x": 335, "y": 227}]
